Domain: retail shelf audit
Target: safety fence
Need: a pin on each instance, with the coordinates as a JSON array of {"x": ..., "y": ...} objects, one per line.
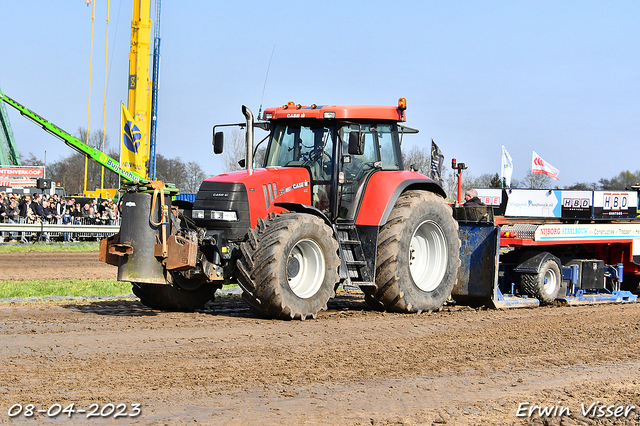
[{"x": 79, "y": 231}]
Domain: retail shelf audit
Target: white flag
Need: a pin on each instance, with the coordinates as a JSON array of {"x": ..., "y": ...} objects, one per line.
[
  {"x": 538, "y": 165},
  {"x": 507, "y": 168}
]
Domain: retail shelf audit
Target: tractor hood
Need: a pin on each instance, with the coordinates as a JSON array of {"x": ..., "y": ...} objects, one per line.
[{"x": 261, "y": 188}]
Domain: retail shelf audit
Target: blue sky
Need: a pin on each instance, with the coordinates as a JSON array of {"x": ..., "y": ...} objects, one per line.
[{"x": 561, "y": 78}]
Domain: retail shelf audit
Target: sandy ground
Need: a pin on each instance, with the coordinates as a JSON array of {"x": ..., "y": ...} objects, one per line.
[{"x": 351, "y": 366}]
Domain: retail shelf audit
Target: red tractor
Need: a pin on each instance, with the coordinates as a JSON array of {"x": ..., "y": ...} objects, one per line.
[{"x": 332, "y": 204}]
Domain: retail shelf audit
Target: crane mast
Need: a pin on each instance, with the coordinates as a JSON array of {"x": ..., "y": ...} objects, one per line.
[
  {"x": 139, "y": 100},
  {"x": 154, "y": 94},
  {"x": 9, "y": 155}
]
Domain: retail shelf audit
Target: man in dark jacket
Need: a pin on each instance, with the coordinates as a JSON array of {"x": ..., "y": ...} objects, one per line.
[
  {"x": 23, "y": 205},
  {"x": 471, "y": 199},
  {"x": 36, "y": 206}
]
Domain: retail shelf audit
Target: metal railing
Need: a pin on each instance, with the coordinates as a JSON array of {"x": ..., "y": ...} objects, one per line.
[{"x": 80, "y": 230}]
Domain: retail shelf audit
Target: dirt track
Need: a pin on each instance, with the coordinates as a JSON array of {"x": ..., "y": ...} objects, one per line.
[
  {"x": 350, "y": 366},
  {"x": 54, "y": 265}
]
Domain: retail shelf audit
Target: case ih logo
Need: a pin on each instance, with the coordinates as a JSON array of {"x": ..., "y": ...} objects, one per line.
[
  {"x": 576, "y": 203},
  {"x": 615, "y": 202}
]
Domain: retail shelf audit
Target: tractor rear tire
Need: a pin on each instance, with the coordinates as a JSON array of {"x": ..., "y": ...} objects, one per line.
[
  {"x": 168, "y": 297},
  {"x": 544, "y": 285},
  {"x": 418, "y": 255},
  {"x": 289, "y": 266}
]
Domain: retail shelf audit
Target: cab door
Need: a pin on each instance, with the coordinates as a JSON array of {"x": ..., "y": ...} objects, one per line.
[{"x": 380, "y": 153}]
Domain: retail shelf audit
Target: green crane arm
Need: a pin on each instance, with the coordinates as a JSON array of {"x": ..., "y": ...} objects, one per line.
[{"x": 75, "y": 143}]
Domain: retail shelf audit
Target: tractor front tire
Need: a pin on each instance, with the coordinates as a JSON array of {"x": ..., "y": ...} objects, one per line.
[
  {"x": 168, "y": 297},
  {"x": 289, "y": 266},
  {"x": 418, "y": 255},
  {"x": 544, "y": 285}
]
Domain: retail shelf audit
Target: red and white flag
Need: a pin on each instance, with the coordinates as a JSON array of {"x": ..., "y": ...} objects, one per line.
[{"x": 538, "y": 165}]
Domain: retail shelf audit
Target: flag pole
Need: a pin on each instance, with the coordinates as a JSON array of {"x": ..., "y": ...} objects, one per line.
[
  {"x": 502, "y": 179},
  {"x": 532, "y": 164}
]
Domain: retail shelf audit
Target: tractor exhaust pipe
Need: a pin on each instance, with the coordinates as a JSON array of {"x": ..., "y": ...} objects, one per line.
[{"x": 248, "y": 158}]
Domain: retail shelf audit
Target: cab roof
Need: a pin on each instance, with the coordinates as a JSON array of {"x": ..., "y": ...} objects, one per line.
[{"x": 339, "y": 112}]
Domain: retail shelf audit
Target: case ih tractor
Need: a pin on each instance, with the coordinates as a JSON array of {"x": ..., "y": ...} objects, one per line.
[{"x": 331, "y": 205}]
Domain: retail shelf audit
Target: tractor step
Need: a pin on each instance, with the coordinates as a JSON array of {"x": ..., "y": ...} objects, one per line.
[{"x": 352, "y": 254}]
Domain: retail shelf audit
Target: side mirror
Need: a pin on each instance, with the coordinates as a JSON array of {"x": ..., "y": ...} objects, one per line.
[
  {"x": 356, "y": 143},
  {"x": 218, "y": 142},
  {"x": 242, "y": 163}
]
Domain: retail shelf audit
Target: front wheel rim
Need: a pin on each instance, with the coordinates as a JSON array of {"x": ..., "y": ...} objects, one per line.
[
  {"x": 428, "y": 256},
  {"x": 305, "y": 268}
]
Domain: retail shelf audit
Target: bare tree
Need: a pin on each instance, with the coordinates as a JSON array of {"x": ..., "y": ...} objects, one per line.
[
  {"x": 186, "y": 176},
  {"x": 195, "y": 176},
  {"x": 485, "y": 180},
  {"x": 536, "y": 181},
  {"x": 172, "y": 170},
  {"x": 585, "y": 186},
  {"x": 234, "y": 151},
  {"x": 419, "y": 158},
  {"x": 259, "y": 156},
  {"x": 450, "y": 178},
  {"x": 69, "y": 172},
  {"x": 31, "y": 160}
]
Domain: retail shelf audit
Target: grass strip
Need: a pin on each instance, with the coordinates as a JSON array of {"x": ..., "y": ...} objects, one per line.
[
  {"x": 72, "y": 287},
  {"x": 23, "y": 248}
]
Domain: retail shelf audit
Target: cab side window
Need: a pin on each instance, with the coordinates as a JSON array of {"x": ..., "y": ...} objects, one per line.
[{"x": 386, "y": 142}]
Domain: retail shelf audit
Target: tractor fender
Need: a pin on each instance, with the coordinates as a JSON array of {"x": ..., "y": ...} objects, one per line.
[
  {"x": 531, "y": 261},
  {"x": 383, "y": 190},
  {"x": 303, "y": 208}
]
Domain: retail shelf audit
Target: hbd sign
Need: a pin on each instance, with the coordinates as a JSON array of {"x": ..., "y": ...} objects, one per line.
[
  {"x": 609, "y": 204},
  {"x": 613, "y": 201},
  {"x": 576, "y": 203}
]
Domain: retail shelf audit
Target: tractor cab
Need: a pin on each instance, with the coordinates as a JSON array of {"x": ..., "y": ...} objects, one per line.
[
  {"x": 339, "y": 146},
  {"x": 336, "y": 171}
]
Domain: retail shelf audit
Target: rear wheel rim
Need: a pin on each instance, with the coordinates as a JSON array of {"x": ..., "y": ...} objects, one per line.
[
  {"x": 428, "y": 256},
  {"x": 306, "y": 264}
]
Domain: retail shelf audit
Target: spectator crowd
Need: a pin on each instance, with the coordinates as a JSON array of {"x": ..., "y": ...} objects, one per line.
[{"x": 54, "y": 209}]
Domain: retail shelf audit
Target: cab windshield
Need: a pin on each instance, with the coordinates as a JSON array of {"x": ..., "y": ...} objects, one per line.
[{"x": 299, "y": 145}]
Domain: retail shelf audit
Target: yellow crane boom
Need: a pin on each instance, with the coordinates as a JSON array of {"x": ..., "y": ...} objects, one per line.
[{"x": 139, "y": 101}]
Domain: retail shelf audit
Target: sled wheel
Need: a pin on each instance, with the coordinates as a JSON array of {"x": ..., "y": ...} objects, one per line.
[{"x": 544, "y": 285}]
